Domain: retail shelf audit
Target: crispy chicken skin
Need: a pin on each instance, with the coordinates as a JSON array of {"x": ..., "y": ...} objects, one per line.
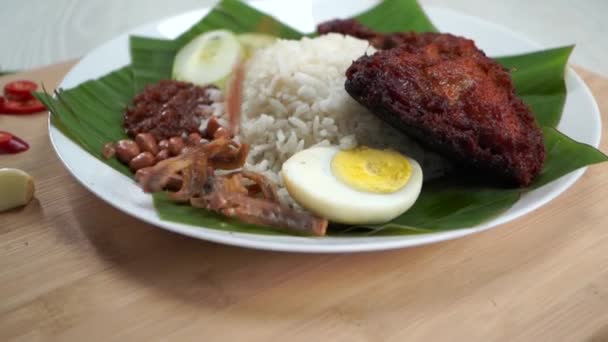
[
  {"x": 381, "y": 41},
  {"x": 444, "y": 91}
]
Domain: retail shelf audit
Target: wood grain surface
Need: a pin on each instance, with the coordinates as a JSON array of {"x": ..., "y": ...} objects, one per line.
[{"x": 74, "y": 269}]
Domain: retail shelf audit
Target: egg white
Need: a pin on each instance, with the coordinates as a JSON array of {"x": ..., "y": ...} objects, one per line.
[{"x": 309, "y": 179}]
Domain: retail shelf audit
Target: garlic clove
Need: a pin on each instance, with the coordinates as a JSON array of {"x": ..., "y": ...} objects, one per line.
[{"x": 16, "y": 188}]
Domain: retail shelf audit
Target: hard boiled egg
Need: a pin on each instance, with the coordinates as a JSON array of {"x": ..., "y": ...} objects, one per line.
[{"x": 358, "y": 186}]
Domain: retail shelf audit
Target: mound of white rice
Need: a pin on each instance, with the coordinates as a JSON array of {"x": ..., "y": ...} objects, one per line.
[{"x": 294, "y": 98}]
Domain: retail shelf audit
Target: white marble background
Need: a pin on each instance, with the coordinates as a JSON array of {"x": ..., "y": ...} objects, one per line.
[{"x": 40, "y": 32}]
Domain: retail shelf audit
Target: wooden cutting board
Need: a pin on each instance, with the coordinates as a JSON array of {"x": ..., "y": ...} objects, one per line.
[{"x": 72, "y": 268}]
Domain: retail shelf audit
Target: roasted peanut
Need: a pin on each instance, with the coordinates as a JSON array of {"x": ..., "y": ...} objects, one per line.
[
  {"x": 126, "y": 150},
  {"x": 163, "y": 144},
  {"x": 147, "y": 143},
  {"x": 221, "y": 133},
  {"x": 144, "y": 159},
  {"x": 212, "y": 126},
  {"x": 108, "y": 150},
  {"x": 162, "y": 155},
  {"x": 176, "y": 145},
  {"x": 194, "y": 139}
]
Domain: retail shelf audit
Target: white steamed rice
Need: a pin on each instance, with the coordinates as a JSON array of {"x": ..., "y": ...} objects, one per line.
[{"x": 294, "y": 98}]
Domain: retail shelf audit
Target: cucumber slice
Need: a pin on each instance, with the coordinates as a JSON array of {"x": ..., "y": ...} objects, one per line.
[
  {"x": 253, "y": 41},
  {"x": 208, "y": 58}
]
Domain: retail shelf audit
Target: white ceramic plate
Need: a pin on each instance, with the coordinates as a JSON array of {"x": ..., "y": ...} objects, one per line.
[{"x": 581, "y": 121}]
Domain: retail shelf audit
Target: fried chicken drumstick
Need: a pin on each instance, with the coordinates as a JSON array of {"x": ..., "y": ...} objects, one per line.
[{"x": 444, "y": 91}]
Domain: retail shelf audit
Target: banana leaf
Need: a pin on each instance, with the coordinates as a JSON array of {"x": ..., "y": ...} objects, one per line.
[
  {"x": 397, "y": 16},
  {"x": 539, "y": 81},
  {"x": 91, "y": 115}
]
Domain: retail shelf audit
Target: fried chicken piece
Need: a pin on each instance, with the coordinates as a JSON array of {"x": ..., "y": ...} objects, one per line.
[
  {"x": 444, "y": 91},
  {"x": 454, "y": 99},
  {"x": 351, "y": 27},
  {"x": 381, "y": 41}
]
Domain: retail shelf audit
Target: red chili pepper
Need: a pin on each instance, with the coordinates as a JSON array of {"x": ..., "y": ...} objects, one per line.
[
  {"x": 11, "y": 144},
  {"x": 20, "y": 90},
  {"x": 21, "y": 107},
  {"x": 5, "y": 137}
]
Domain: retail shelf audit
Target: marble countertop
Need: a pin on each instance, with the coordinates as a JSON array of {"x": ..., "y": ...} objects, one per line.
[{"x": 36, "y": 33}]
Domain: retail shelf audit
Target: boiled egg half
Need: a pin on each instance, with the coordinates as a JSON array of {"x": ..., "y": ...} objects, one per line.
[{"x": 357, "y": 186}]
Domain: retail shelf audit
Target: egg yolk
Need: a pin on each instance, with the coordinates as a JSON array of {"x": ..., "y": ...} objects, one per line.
[{"x": 371, "y": 170}]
